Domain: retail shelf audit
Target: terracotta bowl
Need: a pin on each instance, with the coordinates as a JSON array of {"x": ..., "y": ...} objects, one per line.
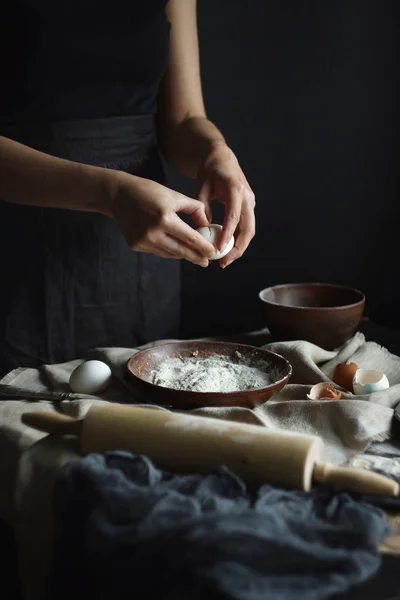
[
  {"x": 143, "y": 363},
  {"x": 321, "y": 313}
]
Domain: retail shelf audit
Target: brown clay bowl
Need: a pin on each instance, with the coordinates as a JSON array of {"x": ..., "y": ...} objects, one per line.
[
  {"x": 142, "y": 364},
  {"x": 326, "y": 315}
]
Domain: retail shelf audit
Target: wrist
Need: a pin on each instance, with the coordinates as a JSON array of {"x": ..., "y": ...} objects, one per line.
[
  {"x": 218, "y": 152},
  {"x": 87, "y": 188},
  {"x": 110, "y": 182},
  {"x": 217, "y": 144},
  {"x": 212, "y": 148},
  {"x": 117, "y": 187}
]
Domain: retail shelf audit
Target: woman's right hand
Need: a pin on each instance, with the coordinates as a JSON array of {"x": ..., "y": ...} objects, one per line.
[{"x": 147, "y": 215}]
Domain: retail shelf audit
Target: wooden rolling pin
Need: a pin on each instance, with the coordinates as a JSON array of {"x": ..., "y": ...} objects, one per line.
[{"x": 188, "y": 443}]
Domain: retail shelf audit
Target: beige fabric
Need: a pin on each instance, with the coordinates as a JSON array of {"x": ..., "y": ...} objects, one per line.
[
  {"x": 347, "y": 427},
  {"x": 29, "y": 460}
]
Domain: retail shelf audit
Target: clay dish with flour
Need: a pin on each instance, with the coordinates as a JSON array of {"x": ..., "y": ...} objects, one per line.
[{"x": 142, "y": 366}]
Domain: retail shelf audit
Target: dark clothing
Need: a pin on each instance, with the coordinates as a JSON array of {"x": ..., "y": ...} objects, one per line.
[
  {"x": 125, "y": 529},
  {"x": 77, "y": 59},
  {"x": 69, "y": 280}
]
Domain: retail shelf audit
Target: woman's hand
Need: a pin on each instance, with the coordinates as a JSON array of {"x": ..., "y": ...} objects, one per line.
[
  {"x": 221, "y": 177},
  {"x": 147, "y": 215}
]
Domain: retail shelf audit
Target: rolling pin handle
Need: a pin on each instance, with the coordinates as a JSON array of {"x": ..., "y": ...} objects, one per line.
[{"x": 355, "y": 480}]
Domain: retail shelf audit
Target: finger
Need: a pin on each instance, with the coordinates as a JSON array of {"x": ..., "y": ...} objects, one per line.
[
  {"x": 154, "y": 247},
  {"x": 195, "y": 209},
  {"x": 247, "y": 228},
  {"x": 246, "y": 234},
  {"x": 205, "y": 196},
  {"x": 163, "y": 253},
  {"x": 161, "y": 247},
  {"x": 191, "y": 238},
  {"x": 167, "y": 243},
  {"x": 233, "y": 206},
  {"x": 157, "y": 251}
]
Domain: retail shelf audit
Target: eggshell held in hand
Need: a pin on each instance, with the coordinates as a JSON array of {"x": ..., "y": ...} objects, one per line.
[
  {"x": 91, "y": 377},
  {"x": 343, "y": 375},
  {"x": 324, "y": 391},
  {"x": 368, "y": 381},
  {"x": 212, "y": 234}
]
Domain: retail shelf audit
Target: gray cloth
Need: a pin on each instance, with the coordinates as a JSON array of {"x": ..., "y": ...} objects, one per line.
[
  {"x": 118, "y": 519},
  {"x": 30, "y": 459}
]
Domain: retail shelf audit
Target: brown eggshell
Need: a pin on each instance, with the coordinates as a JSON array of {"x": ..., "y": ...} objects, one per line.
[
  {"x": 324, "y": 391},
  {"x": 343, "y": 375}
]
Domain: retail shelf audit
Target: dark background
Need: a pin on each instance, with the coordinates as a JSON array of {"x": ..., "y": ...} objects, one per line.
[{"x": 306, "y": 93}]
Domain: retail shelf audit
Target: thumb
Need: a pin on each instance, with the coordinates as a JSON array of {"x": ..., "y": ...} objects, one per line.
[
  {"x": 195, "y": 209},
  {"x": 204, "y": 196}
]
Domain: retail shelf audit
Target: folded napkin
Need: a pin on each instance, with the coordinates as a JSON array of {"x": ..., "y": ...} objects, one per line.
[{"x": 347, "y": 426}]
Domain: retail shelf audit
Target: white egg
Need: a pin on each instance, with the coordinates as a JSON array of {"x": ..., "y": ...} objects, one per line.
[
  {"x": 212, "y": 234},
  {"x": 367, "y": 381},
  {"x": 91, "y": 377}
]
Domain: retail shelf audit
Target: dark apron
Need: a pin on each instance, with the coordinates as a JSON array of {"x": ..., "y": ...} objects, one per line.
[{"x": 69, "y": 282}]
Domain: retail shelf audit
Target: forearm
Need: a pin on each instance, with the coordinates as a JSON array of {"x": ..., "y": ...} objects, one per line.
[
  {"x": 187, "y": 144},
  {"x": 30, "y": 177}
]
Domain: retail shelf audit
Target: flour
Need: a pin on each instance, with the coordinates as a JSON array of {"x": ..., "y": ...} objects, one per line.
[{"x": 212, "y": 374}]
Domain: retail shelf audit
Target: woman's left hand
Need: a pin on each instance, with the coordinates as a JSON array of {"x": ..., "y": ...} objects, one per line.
[{"x": 221, "y": 177}]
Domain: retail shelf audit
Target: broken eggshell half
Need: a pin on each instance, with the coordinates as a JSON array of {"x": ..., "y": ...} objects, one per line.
[
  {"x": 212, "y": 233},
  {"x": 324, "y": 391},
  {"x": 367, "y": 381},
  {"x": 343, "y": 375}
]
